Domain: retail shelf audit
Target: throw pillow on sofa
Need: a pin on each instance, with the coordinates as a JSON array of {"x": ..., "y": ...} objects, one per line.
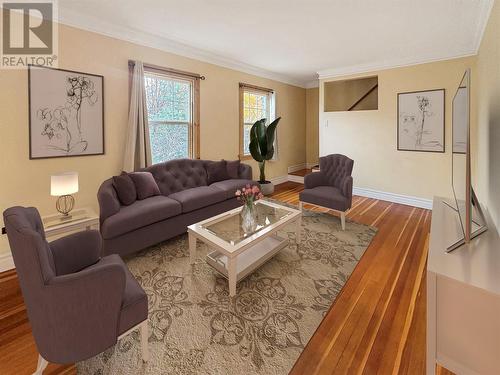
[
  {"x": 145, "y": 184},
  {"x": 233, "y": 168},
  {"x": 217, "y": 171},
  {"x": 125, "y": 189}
]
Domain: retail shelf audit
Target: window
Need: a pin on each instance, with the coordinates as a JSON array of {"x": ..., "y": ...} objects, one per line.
[
  {"x": 255, "y": 103},
  {"x": 172, "y": 111}
]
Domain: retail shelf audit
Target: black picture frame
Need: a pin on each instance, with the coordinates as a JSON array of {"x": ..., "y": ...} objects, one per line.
[
  {"x": 31, "y": 121},
  {"x": 399, "y": 148}
]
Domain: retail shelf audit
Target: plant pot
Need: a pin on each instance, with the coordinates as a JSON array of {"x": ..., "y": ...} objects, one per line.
[{"x": 266, "y": 187}]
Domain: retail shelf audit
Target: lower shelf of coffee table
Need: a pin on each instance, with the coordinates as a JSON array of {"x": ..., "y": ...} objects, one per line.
[{"x": 250, "y": 259}]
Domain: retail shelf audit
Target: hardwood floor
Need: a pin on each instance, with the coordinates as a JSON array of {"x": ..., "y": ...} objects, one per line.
[
  {"x": 301, "y": 172},
  {"x": 375, "y": 326}
]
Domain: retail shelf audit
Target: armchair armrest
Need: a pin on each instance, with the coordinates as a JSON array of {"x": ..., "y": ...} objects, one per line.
[
  {"x": 314, "y": 179},
  {"x": 85, "y": 305},
  {"x": 76, "y": 251},
  {"x": 346, "y": 187}
]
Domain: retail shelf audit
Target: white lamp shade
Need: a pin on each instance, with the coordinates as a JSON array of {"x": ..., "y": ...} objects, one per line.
[{"x": 63, "y": 183}]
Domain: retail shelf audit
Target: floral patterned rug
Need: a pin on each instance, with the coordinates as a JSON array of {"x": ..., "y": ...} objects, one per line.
[{"x": 195, "y": 328}]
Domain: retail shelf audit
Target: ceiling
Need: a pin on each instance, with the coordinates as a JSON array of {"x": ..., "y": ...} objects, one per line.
[{"x": 292, "y": 40}]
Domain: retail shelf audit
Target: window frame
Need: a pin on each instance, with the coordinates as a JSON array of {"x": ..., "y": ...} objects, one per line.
[
  {"x": 194, "y": 124},
  {"x": 270, "y": 115}
]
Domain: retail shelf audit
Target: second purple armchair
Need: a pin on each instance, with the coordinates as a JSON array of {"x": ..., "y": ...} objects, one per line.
[{"x": 331, "y": 187}]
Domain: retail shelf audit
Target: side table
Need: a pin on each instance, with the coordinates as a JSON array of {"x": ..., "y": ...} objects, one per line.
[{"x": 80, "y": 219}]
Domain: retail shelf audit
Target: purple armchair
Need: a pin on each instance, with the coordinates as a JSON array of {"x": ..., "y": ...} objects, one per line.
[
  {"x": 331, "y": 187},
  {"x": 78, "y": 303}
]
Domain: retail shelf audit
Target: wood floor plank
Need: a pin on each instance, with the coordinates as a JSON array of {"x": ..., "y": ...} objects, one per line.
[{"x": 375, "y": 325}]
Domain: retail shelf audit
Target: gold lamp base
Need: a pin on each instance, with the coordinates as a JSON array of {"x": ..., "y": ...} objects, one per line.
[{"x": 64, "y": 205}]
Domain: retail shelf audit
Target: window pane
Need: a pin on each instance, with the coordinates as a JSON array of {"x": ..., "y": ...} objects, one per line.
[
  {"x": 167, "y": 99},
  {"x": 168, "y": 141},
  {"x": 254, "y": 108},
  {"x": 246, "y": 138}
]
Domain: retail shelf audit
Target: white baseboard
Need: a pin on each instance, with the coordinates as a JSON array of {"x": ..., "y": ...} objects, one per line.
[
  {"x": 393, "y": 197},
  {"x": 293, "y": 178},
  {"x": 369, "y": 193},
  {"x": 279, "y": 180},
  {"x": 310, "y": 165},
  {"x": 298, "y": 167},
  {"x": 6, "y": 262}
]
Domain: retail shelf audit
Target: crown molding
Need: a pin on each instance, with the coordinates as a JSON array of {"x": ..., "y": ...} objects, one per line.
[
  {"x": 371, "y": 67},
  {"x": 312, "y": 84},
  {"x": 484, "y": 15},
  {"x": 73, "y": 19}
]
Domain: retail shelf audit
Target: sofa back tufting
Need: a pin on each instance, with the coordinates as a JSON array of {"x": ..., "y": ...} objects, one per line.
[{"x": 179, "y": 174}]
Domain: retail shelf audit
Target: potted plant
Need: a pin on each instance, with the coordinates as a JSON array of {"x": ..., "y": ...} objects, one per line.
[{"x": 262, "y": 149}]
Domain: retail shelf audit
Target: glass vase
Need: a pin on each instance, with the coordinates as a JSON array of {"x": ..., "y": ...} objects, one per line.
[{"x": 248, "y": 219}]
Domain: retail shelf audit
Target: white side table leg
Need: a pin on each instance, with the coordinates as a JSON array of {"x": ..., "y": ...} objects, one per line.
[
  {"x": 231, "y": 275},
  {"x": 192, "y": 247}
]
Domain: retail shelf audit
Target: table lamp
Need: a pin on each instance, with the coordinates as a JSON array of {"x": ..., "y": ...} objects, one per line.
[{"x": 62, "y": 185}]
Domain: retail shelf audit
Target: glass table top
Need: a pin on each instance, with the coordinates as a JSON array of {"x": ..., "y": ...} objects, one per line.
[{"x": 230, "y": 228}]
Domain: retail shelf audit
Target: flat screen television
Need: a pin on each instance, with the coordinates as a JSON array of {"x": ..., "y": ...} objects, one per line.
[{"x": 471, "y": 217}]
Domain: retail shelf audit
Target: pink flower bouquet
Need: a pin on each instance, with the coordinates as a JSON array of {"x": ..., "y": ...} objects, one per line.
[{"x": 249, "y": 194}]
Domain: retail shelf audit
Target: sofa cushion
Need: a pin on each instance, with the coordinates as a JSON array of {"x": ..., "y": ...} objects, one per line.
[
  {"x": 233, "y": 167},
  {"x": 325, "y": 196},
  {"x": 125, "y": 189},
  {"x": 198, "y": 197},
  {"x": 145, "y": 184},
  {"x": 229, "y": 187},
  {"x": 140, "y": 214},
  {"x": 217, "y": 171}
]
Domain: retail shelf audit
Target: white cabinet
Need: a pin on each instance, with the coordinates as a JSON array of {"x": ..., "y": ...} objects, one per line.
[{"x": 463, "y": 298}]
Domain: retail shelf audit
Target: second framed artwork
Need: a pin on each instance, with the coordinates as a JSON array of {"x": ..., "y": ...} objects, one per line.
[{"x": 421, "y": 121}]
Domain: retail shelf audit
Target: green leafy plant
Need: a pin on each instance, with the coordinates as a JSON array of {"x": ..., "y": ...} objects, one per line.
[{"x": 262, "y": 143}]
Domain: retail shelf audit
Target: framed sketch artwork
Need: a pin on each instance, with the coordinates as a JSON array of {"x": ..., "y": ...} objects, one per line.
[
  {"x": 421, "y": 121},
  {"x": 66, "y": 113}
]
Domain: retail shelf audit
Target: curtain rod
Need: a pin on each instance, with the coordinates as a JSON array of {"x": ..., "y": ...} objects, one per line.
[
  {"x": 255, "y": 87},
  {"x": 131, "y": 63}
]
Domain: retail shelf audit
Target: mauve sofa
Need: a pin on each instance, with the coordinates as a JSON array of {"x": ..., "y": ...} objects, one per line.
[{"x": 186, "y": 198}]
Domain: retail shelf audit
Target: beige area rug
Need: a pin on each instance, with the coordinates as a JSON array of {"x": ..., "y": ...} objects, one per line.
[{"x": 196, "y": 329}]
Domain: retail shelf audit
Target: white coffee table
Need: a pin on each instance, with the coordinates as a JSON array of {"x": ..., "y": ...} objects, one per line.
[{"x": 235, "y": 253}]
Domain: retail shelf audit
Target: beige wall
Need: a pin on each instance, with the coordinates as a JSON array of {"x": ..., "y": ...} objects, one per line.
[
  {"x": 370, "y": 137},
  {"x": 488, "y": 117},
  {"x": 312, "y": 125},
  {"x": 26, "y": 182}
]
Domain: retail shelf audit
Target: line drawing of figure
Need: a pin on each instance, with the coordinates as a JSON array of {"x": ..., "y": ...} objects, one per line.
[{"x": 63, "y": 125}]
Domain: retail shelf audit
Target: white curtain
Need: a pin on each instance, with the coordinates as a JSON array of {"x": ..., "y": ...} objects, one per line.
[{"x": 137, "y": 146}]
